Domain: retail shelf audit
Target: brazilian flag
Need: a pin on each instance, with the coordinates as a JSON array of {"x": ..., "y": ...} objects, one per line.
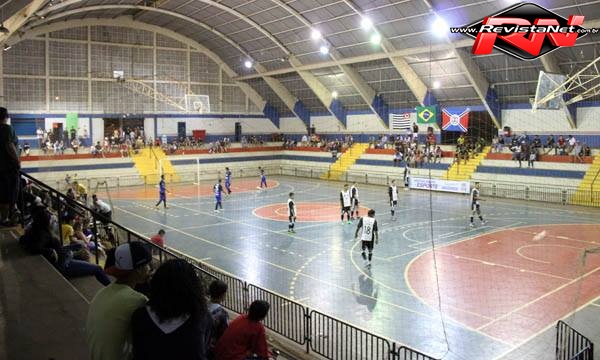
[{"x": 426, "y": 114}]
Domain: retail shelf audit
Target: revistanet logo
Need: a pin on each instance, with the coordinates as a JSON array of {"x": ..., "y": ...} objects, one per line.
[{"x": 525, "y": 31}]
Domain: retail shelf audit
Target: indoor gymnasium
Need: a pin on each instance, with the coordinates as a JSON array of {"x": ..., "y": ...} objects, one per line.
[{"x": 300, "y": 179}]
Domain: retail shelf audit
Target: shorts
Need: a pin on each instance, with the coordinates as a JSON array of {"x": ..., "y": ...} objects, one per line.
[
  {"x": 394, "y": 203},
  {"x": 354, "y": 202},
  {"x": 346, "y": 209},
  {"x": 474, "y": 207},
  {"x": 367, "y": 245}
]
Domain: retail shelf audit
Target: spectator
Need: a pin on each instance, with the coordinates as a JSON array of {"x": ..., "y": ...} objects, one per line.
[
  {"x": 572, "y": 143},
  {"x": 108, "y": 324},
  {"x": 9, "y": 176},
  {"x": 40, "y": 136},
  {"x": 577, "y": 151},
  {"x": 550, "y": 144},
  {"x": 245, "y": 335},
  {"x": 96, "y": 150},
  {"x": 75, "y": 145},
  {"x": 26, "y": 148},
  {"x": 175, "y": 324},
  {"x": 517, "y": 151},
  {"x": 537, "y": 143},
  {"x": 438, "y": 154},
  {"x": 38, "y": 239},
  {"x": 397, "y": 158},
  {"x": 586, "y": 150},
  {"x": 159, "y": 239},
  {"x": 102, "y": 208},
  {"x": 68, "y": 233},
  {"x": 220, "y": 318},
  {"x": 561, "y": 145},
  {"x": 532, "y": 156},
  {"x": 80, "y": 191}
]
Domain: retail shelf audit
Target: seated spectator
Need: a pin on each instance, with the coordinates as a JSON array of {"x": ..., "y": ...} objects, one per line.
[
  {"x": 220, "y": 317},
  {"x": 561, "y": 145},
  {"x": 159, "y": 238},
  {"x": 81, "y": 238},
  {"x": 175, "y": 323},
  {"x": 438, "y": 154},
  {"x": 26, "y": 148},
  {"x": 537, "y": 142},
  {"x": 96, "y": 150},
  {"x": 102, "y": 208},
  {"x": 245, "y": 336},
  {"x": 39, "y": 239},
  {"x": 586, "y": 150},
  {"x": 75, "y": 145},
  {"x": 108, "y": 323},
  {"x": 397, "y": 158},
  {"x": 80, "y": 191}
]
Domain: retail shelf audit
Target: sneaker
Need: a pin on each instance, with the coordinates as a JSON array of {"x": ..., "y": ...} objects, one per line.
[
  {"x": 350, "y": 222},
  {"x": 472, "y": 225},
  {"x": 293, "y": 231},
  {"x": 343, "y": 222},
  {"x": 364, "y": 256},
  {"x": 483, "y": 222},
  {"x": 368, "y": 266},
  {"x": 215, "y": 210}
]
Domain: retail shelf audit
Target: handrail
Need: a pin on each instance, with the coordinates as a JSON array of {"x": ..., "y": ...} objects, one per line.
[
  {"x": 238, "y": 298},
  {"x": 592, "y": 185}
]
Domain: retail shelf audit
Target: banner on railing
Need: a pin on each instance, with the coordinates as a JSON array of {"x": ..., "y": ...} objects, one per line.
[{"x": 462, "y": 187}]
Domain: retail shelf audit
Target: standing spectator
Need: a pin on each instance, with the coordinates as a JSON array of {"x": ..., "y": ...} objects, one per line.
[
  {"x": 245, "y": 335},
  {"x": 397, "y": 158},
  {"x": 159, "y": 238},
  {"x": 438, "y": 154},
  {"x": 108, "y": 324},
  {"x": 73, "y": 133},
  {"x": 175, "y": 324},
  {"x": 39, "y": 133},
  {"x": 26, "y": 148},
  {"x": 517, "y": 151},
  {"x": 537, "y": 143},
  {"x": 415, "y": 131},
  {"x": 577, "y": 152},
  {"x": 9, "y": 176},
  {"x": 572, "y": 143},
  {"x": 532, "y": 156},
  {"x": 550, "y": 144},
  {"x": 75, "y": 145}
]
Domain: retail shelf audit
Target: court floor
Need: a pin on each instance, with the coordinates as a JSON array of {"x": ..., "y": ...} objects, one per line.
[{"x": 498, "y": 285}]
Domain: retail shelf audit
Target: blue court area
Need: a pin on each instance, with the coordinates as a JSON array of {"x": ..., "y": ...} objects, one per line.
[{"x": 321, "y": 267}]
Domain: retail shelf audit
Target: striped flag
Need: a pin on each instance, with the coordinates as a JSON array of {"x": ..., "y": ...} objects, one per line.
[{"x": 400, "y": 121}]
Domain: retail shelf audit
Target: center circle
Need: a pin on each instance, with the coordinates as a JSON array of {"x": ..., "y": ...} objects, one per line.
[{"x": 306, "y": 212}]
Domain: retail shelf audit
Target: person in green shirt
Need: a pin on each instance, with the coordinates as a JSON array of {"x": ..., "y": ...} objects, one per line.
[{"x": 108, "y": 324}]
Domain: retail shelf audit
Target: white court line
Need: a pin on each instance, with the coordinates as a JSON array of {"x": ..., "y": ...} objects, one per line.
[{"x": 205, "y": 225}]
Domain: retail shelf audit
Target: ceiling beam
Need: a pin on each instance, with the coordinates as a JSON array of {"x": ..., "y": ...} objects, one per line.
[{"x": 17, "y": 20}]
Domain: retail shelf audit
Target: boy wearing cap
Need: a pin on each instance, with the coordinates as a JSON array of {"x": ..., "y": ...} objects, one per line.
[{"x": 108, "y": 324}]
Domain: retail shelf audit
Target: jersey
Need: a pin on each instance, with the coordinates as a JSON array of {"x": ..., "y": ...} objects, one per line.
[
  {"x": 291, "y": 207},
  {"x": 345, "y": 198},
  {"x": 369, "y": 228},
  {"x": 393, "y": 193},
  {"x": 161, "y": 186},
  {"x": 228, "y": 177},
  {"x": 218, "y": 188}
]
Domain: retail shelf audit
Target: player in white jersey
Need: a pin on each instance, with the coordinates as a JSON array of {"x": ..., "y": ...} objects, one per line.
[
  {"x": 291, "y": 205},
  {"x": 406, "y": 176},
  {"x": 369, "y": 235},
  {"x": 346, "y": 203},
  {"x": 475, "y": 208},
  {"x": 393, "y": 194},
  {"x": 354, "y": 201}
]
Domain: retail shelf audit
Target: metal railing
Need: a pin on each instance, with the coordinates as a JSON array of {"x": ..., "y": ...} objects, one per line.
[
  {"x": 571, "y": 345},
  {"x": 319, "y": 333}
]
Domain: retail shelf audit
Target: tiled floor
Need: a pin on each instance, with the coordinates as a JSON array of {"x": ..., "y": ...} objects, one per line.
[{"x": 489, "y": 273}]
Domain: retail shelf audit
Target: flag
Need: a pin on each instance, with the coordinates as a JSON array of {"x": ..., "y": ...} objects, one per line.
[
  {"x": 72, "y": 122},
  {"x": 400, "y": 121},
  {"x": 426, "y": 114},
  {"x": 454, "y": 122}
]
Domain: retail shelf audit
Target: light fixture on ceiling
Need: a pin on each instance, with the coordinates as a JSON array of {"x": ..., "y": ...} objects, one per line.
[
  {"x": 315, "y": 34},
  {"x": 7, "y": 47},
  {"x": 439, "y": 27},
  {"x": 334, "y": 94},
  {"x": 366, "y": 23},
  {"x": 248, "y": 64},
  {"x": 3, "y": 29},
  {"x": 436, "y": 84},
  {"x": 324, "y": 49},
  {"x": 375, "y": 39}
]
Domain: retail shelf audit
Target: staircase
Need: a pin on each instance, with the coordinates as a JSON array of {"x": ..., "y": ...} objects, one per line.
[
  {"x": 147, "y": 162},
  {"x": 588, "y": 191},
  {"x": 460, "y": 171},
  {"x": 345, "y": 161}
]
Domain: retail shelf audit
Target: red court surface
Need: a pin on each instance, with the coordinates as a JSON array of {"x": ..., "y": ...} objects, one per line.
[
  {"x": 150, "y": 192},
  {"x": 512, "y": 284},
  {"x": 307, "y": 212}
]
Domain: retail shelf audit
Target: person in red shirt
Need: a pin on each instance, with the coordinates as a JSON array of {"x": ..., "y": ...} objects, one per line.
[
  {"x": 245, "y": 335},
  {"x": 159, "y": 239}
]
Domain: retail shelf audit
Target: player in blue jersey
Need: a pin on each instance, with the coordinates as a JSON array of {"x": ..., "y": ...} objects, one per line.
[
  {"x": 263, "y": 178},
  {"x": 218, "y": 189},
  {"x": 162, "y": 191},
  {"x": 228, "y": 180}
]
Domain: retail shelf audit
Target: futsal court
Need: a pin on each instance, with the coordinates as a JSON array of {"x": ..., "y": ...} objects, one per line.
[{"x": 502, "y": 285}]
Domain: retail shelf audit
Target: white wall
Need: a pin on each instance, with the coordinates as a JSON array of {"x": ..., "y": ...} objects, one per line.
[
  {"x": 215, "y": 126},
  {"x": 361, "y": 123},
  {"x": 149, "y": 127},
  {"x": 292, "y": 125},
  {"x": 548, "y": 121},
  {"x": 97, "y": 130}
]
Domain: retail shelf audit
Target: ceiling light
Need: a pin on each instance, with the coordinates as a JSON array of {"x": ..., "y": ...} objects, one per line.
[
  {"x": 315, "y": 34},
  {"x": 3, "y": 29},
  {"x": 248, "y": 64},
  {"x": 7, "y": 47},
  {"x": 334, "y": 94},
  {"x": 439, "y": 27},
  {"x": 436, "y": 84},
  {"x": 366, "y": 23},
  {"x": 324, "y": 49},
  {"x": 375, "y": 39}
]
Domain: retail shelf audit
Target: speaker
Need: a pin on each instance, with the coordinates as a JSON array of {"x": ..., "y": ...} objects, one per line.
[{"x": 238, "y": 132}]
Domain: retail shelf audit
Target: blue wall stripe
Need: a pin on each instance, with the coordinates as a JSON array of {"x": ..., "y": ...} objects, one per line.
[{"x": 77, "y": 167}]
